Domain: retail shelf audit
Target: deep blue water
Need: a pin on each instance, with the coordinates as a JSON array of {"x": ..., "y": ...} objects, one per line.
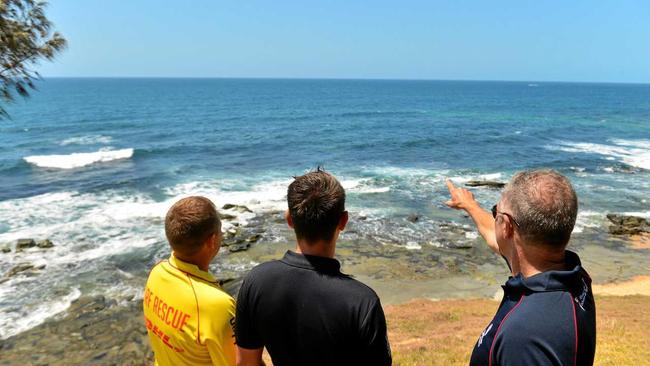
[
  {"x": 182, "y": 129},
  {"x": 392, "y": 144}
]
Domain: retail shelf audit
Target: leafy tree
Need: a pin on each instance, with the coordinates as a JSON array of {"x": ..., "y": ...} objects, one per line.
[{"x": 25, "y": 38}]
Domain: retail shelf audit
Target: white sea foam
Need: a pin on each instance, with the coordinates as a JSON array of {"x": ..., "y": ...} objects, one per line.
[
  {"x": 411, "y": 245},
  {"x": 634, "y": 153},
  {"x": 588, "y": 219},
  {"x": 87, "y": 140},
  {"x": 267, "y": 196},
  {"x": 362, "y": 186},
  {"x": 465, "y": 179},
  {"x": 394, "y": 171},
  {"x": 78, "y": 160},
  {"x": 645, "y": 214},
  {"x": 27, "y": 317}
]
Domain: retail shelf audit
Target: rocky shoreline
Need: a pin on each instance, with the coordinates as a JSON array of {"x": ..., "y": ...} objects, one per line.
[{"x": 101, "y": 331}]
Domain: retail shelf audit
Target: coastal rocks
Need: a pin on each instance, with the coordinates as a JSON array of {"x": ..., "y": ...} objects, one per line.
[
  {"x": 94, "y": 331},
  {"x": 627, "y": 225},
  {"x": 5, "y": 248},
  {"x": 485, "y": 183},
  {"x": 234, "y": 248},
  {"x": 238, "y": 208},
  {"x": 28, "y": 269},
  {"x": 227, "y": 217},
  {"x": 413, "y": 218},
  {"x": 241, "y": 236},
  {"x": 241, "y": 244},
  {"x": 22, "y": 244},
  {"x": 22, "y": 267},
  {"x": 44, "y": 244}
]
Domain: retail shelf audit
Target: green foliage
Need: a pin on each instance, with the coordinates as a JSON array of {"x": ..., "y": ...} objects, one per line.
[{"x": 25, "y": 38}]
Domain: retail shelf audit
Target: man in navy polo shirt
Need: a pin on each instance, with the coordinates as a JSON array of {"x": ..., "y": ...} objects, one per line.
[
  {"x": 547, "y": 315},
  {"x": 302, "y": 308}
]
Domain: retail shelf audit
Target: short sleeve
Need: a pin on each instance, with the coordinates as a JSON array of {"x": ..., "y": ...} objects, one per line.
[
  {"x": 246, "y": 334},
  {"x": 376, "y": 348}
]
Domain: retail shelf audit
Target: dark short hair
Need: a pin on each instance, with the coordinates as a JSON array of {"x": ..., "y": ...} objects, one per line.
[
  {"x": 545, "y": 206},
  {"x": 316, "y": 203},
  {"x": 190, "y": 222}
]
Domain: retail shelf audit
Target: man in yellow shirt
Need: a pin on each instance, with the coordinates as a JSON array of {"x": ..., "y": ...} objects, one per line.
[{"x": 189, "y": 318}]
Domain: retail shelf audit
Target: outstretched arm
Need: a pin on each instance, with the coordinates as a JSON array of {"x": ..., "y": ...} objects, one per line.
[{"x": 462, "y": 199}]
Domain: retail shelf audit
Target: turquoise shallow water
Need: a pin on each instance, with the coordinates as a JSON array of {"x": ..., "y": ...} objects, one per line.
[{"x": 93, "y": 164}]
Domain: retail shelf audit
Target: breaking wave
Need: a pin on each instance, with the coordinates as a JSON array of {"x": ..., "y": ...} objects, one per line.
[
  {"x": 78, "y": 160},
  {"x": 635, "y": 153}
]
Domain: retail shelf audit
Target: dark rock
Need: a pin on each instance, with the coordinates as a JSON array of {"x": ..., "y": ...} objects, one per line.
[
  {"x": 254, "y": 238},
  {"x": 22, "y": 267},
  {"x": 47, "y": 243},
  {"x": 238, "y": 247},
  {"x": 461, "y": 245},
  {"x": 239, "y": 208},
  {"x": 24, "y": 244},
  {"x": 6, "y": 248},
  {"x": 94, "y": 331},
  {"x": 232, "y": 241},
  {"x": 227, "y": 217},
  {"x": 362, "y": 218},
  {"x": 413, "y": 218},
  {"x": 627, "y": 225},
  {"x": 485, "y": 183}
]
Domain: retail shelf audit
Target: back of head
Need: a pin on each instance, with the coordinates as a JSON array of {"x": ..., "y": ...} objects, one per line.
[
  {"x": 544, "y": 205},
  {"x": 189, "y": 223},
  {"x": 316, "y": 202}
]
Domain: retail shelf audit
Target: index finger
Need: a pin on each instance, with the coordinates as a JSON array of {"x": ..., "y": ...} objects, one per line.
[{"x": 450, "y": 185}]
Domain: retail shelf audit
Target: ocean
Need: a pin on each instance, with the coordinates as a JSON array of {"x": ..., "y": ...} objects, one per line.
[{"x": 93, "y": 165}]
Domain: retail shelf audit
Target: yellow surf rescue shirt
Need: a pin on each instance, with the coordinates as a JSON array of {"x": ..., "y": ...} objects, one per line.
[{"x": 189, "y": 318}]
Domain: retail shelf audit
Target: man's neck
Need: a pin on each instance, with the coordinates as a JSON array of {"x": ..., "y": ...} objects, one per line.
[
  {"x": 535, "y": 259},
  {"x": 202, "y": 263},
  {"x": 319, "y": 249}
]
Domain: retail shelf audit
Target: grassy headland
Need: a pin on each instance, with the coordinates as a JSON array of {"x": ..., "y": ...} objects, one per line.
[{"x": 424, "y": 332}]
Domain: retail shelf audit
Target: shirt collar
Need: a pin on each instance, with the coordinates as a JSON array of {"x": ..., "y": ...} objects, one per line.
[
  {"x": 191, "y": 269},
  {"x": 312, "y": 262},
  {"x": 551, "y": 280}
]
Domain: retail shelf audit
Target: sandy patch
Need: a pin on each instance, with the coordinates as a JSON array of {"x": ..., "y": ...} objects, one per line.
[
  {"x": 640, "y": 241},
  {"x": 639, "y": 285}
]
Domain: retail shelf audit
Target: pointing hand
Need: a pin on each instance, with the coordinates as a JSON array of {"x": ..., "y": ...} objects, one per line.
[{"x": 461, "y": 198}]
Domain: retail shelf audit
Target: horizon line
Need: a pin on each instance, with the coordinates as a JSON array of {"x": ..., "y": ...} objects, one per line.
[{"x": 346, "y": 79}]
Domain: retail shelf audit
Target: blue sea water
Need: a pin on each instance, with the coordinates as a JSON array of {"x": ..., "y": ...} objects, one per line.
[{"x": 93, "y": 164}]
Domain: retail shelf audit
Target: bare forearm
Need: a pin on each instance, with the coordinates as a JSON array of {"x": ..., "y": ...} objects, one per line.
[
  {"x": 485, "y": 225},
  {"x": 462, "y": 199}
]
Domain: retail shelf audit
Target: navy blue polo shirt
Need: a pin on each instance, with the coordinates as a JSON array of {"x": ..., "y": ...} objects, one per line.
[{"x": 546, "y": 319}]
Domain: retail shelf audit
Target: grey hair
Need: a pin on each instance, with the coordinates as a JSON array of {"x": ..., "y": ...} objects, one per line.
[{"x": 544, "y": 205}]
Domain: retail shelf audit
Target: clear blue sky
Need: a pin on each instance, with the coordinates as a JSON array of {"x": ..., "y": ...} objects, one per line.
[{"x": 568, "y": 40}]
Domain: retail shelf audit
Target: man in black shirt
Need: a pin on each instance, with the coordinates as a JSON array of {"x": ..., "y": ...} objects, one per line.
[
  {"x": 302, "y": 308},
  {"x": 547, "y": 315}
]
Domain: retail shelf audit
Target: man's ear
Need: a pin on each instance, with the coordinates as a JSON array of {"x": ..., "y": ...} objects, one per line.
[
  {"x": 508, "y": 230},
  {"x": 287, "y": 216},
  {"x": 343, "y": 220},
  {"x": 212, "y": 241}
]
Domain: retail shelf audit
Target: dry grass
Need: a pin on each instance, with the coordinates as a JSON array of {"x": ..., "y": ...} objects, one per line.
[{"x": 426, "y": 332}]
